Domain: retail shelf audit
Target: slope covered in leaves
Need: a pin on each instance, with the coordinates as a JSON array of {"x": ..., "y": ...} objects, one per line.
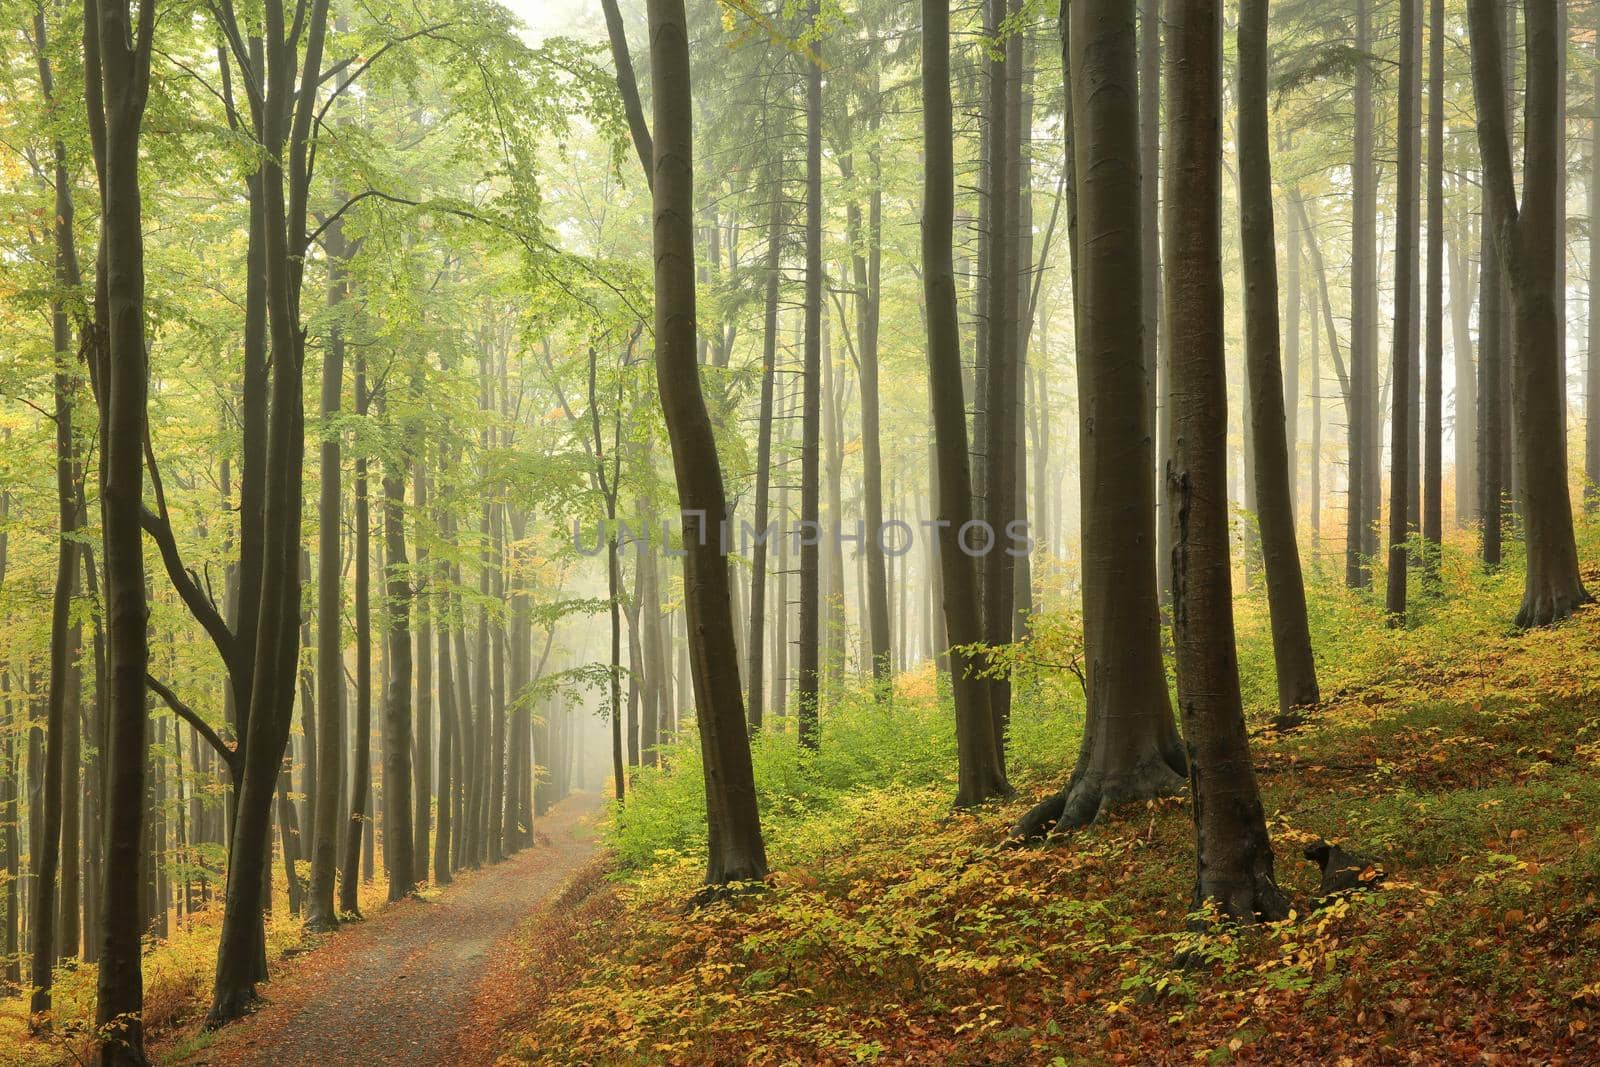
[{"x": 1465, "y": 758}]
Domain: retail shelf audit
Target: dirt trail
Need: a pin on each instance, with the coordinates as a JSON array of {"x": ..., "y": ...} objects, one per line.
[{"x": 399, "y": 987}]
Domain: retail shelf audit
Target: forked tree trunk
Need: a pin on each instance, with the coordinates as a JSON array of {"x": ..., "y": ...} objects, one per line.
[
  {"x": 1235, "y": 864},
  {"x": 1280, "y": 551},
  {"x": 46, "y": 850}
]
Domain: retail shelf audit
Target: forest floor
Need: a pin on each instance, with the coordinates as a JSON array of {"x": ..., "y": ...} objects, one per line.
[
  {"x": 403, "y": 987},
  {"x": 1462, "y": 757}
]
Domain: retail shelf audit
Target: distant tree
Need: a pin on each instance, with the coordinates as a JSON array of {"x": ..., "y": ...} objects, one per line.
[
  {"x": 1402, "y": 442},
  {"x": 808, "y": 683}
]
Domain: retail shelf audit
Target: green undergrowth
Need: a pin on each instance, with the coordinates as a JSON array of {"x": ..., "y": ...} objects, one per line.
[{"x": 1461, "y": 757}]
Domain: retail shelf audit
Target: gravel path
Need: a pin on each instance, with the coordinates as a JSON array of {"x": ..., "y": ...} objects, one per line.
[{"x": 399, "y": 987}]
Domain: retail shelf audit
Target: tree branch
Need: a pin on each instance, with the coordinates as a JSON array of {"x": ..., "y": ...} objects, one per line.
[{"x": 229, "y": 755}]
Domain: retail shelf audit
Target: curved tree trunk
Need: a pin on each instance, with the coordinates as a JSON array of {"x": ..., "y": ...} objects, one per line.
[{"x": 735, "y": 849}]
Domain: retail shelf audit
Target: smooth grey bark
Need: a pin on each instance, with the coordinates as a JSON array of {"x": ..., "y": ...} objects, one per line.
[
  {"x": 422, "y": 766},
  {"x": 46, "y": 850},
  {"x": 1402, "y": 443},
  {"x": 1433, "y": 343},
  {"x": 1155, "y": 351},
  {"x": 1234, "y": 869},
  {"x": 359, "y": 815},
  {"x": 999, "y": 447},
  {"x": 1360, "y": 509},
  {"x": 1526, "y": 237},
  {"x": 1591, "y": 378},
  {"x": 1130, "y": 749},
  {"x": 735, "y": 850},
  {"x": 1274, "y": 483},
  {"x": 320, "y": 912},
  {"x": 1463, "y": 296},
  {"x": 398, "y": 846},
  {"x": 1492, "y": 357},
  {"x": 808, "y": 680},
  {"x": 763, "y": 491},
  {"x": 117, "y": 65},
  {"x": 978, "y": 773}
]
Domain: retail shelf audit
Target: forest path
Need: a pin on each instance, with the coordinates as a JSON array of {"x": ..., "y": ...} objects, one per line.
[{"x": 399, "y": 987}]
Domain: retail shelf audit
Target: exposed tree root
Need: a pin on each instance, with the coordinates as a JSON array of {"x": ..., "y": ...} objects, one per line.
[{"x": 1088, "y": 798}]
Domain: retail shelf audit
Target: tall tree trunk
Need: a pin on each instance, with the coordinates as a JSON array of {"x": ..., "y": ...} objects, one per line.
[
  {"x": 1359, "y": 509},
  {"x": 1155, "y": 351},
  {"x": 1525, "y": 238},
  {"x": 1591, "y": 377},
  {"x": 285, "y": 175},
  {"x": 1130, "y": 749},
  {"x": 1463, "y": 296},
  {"x": 769, "y": 352},
  {"x": 868, "y": 271},
  {"x": 1000, "y": 402},
  {"x": 1402, "y": 443},
  {"x": 808, "y": 687},
  {"x": 359, "y": 819},
  {"x": 735, "y": 850},
  {"x": 447, "y": 706},
  {"x": 422, "y": 768},
  {"x": 117, "y": 58},
  {"x": 1433, "y": 371},
  {"x": 1280, "y": 552},
  {"x": 320, "y": 913},
  {"x": 979, "y": 777},
  {"x": 398, "y": 846},
  {"x": 1235, "y": 864}
]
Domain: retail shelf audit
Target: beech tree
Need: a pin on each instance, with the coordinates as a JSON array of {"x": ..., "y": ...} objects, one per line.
[
  {"x": 1273, "y": 451},
  {"x": 1234, "y": 868},
  {"x": 1130, "y": 749},
  {"x": 1524, "y": 236}
]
